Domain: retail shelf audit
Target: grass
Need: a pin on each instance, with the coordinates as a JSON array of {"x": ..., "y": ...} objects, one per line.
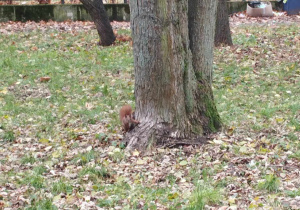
[
  {"x": 293, "y": 193},
  {"x": 94, "y": 173},
  {"x": 8, "y": 136},
  {"x": 84, "y": 158},
  {"x": 28, "y": 159},
  {"x": 204, "y": 194},
  {"x": 34, "y": 180},
  {"x": 117, "y": 155},
  {"x": 42, "y": 204},
  {"x": 61, "y": 186},
  {"x": 32, "y": 102},
  {"x": 272, "y": 86},
  {"x": 40, "y": 169},
  {"x": 296, "y": 155},
  {"x": 62, "y": 136},
  {"x": 271, "y": 183}
]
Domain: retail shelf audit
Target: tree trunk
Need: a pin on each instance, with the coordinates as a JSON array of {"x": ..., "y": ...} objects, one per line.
[
  {"x": 223, "y": 35},
  {"x": 174, "y": 102},
  {"x": 202, "y": 18},
  {"x": 98, "y": 13}
]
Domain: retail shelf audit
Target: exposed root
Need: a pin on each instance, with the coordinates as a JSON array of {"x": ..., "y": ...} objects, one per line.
[{"x": 146, "y": 136}]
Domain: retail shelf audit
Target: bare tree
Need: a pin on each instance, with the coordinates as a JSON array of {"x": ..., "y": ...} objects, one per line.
[
  {"x": 98, "y": 13},
  {"x": 173, "y": 55},
  {"x": 223, "y": 35}
]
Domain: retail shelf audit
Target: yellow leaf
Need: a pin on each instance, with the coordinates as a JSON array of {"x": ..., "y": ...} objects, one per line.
[
  {"x": 183, "y": 163},
  {"x": 231, "y": 200},
  {"x": 57, "y": 198},
  {"x": 252, "y": 145},
  {"x": 71, "y": 199},
  {"x": 105, "y": 163},
  {"x": 44, "y": 141},
  {"x": 135, "y": 153},
  {"x": 173, "y": 196},
  {"x": 292, "y": 128},
  {"x": 4, "y": 91},
  {"x": 140, "y": 162},
  {"x": 228, "y": 79},
  {"x": 252, "y": 206},
  {"x": 55, "y": 154},
  {"x": 265, "y": 140},
  {"x": 279, "y": 120}
]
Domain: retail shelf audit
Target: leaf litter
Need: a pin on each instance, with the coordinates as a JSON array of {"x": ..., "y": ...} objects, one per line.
[{"x": 96, "y": 173}]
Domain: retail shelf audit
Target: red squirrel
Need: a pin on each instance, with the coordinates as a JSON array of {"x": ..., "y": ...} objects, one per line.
[{"x": 127, "y": 118}]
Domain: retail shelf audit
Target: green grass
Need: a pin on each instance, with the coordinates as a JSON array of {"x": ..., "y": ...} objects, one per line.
[
  {"x": 295, "y": 155},
  {"x": 34, "y": 180},
  {"x": 73, "y": 83},
  {"x": 42, "y": 204},
  {"x": 293, "y": 193},
  {"x": 61, "y": 186},
  {"x": 28, "y": 159},
  {"x": 117, "y": 155},
  {"x": 270, "y": 183},
  {"x": 84, "y": 158},
  {"x": 202, "y": 195},
  {"x": 40, "y": 169},
  {"x": 94, "y": 173},
  {"x": 256, "y": 88}
]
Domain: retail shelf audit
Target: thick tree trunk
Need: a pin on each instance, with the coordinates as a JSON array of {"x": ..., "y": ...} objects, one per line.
[
  {"x": 98, "y": 13},
  {"x": 223, "y": 35},
  {"x": 173, "y": 102}
]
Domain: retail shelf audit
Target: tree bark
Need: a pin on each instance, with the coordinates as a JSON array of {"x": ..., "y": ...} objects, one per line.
[
  {"x": 98, "y": 13},
  {"x": 202, "y": 18},
  {"x": 223, "y": 34},
  {"x": 174, "y": 101}
]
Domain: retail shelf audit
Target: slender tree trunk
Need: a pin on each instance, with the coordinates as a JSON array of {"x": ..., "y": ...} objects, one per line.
[
  {"x": 202, "y": 17},
  {"x": 173, "y": 100},
  {"x": 223, "y": 35},
  {"x": 98, "y": 13}
]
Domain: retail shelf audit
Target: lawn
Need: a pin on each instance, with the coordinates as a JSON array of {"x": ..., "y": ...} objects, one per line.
[{"x": 60, "y": 138}]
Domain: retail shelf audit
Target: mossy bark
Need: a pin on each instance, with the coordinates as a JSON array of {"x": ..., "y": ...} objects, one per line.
[
  {"x": 170, "y": 106},
  {"x": 201, "y": 32}
]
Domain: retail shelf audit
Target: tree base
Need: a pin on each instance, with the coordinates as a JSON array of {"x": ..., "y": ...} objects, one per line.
[{"x": 146, "y": 136}]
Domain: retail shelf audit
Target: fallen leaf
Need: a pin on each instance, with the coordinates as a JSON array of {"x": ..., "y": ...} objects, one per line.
[{"x": 44, "y": 79}]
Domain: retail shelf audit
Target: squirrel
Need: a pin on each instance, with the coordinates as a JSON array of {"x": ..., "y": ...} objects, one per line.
[{"x": 127, "y": 118}]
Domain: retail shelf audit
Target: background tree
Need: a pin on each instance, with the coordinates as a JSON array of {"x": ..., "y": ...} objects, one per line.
[
  {"x": 173, "y": 54},
  {"x": 99, "y": 15},
  {"x": 223, "y": 35}
]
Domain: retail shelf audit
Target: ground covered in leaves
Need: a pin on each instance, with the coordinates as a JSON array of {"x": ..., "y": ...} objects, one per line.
[{"x": 60, "y": 94}]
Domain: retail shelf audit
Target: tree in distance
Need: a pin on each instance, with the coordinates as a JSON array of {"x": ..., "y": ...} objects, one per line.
[
  {"x": 99, "y": 15},
  {"x": 223, "y": 34}
]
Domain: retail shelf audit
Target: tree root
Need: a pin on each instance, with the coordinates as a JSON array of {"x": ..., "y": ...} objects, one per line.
[{"x": 146, "y": 136}]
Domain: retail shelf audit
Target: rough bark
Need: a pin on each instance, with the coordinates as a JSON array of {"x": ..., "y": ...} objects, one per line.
[
  {"x": 223, "y": 34},
  {"x": 98, "y": 13},
  {"x": 202, "y": 17},
  {"x": 172, "y": 101}
]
